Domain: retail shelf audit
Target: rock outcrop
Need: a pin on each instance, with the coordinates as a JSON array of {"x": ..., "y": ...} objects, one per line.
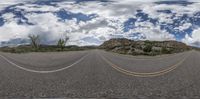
[{"x": 126, "y": 46}]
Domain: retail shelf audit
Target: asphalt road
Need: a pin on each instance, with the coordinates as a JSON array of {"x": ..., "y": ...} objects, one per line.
[{"x": 99, "y": 74}]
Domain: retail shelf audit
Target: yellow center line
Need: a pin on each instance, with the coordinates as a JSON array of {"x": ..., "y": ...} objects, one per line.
[{"x": 139, "y": 74}]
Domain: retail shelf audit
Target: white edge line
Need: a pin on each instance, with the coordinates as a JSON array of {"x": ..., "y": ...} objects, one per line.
[{"x": 51, "y": 71}]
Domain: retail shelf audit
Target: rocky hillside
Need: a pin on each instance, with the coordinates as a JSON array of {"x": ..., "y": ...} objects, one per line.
[{"x": 126, "y": 46}]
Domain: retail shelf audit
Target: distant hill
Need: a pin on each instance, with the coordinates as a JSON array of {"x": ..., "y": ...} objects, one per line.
[{"x": 126, "y": 46}]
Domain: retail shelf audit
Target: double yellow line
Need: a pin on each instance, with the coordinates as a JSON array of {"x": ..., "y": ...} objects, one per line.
[{"x": 139, "y": 74}]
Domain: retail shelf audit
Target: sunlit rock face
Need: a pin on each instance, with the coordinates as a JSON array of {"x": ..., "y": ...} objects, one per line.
[{"x": 91, "y": 22}]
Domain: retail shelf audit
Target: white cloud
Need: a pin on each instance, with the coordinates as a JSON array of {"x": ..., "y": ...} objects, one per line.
[
  {"x": 184, "y": 26},
  {"x": 35, "y": 7},
  {"x": 8, "y": 17},
  {"x": 6, "y": 3},
  {"x": 178, "y": 10},
  {"x": 151, "y": 32},
  {"x": 109, "y": 22},
  {"x": 194, "y": 39},
  {"x": 13, "y": 30}
]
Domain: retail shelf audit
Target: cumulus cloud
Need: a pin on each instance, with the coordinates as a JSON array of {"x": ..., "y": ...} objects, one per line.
[
  {"x": 193, "y": 39},
  {"x": 184, "y": 26},
  {"x": 107, "y": 23},
  {"x": 151, "y": 32},
  {"x": 6, "y": 3}
]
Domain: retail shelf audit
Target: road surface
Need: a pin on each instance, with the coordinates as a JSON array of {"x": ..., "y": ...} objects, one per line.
[{"x": 99, "y": 74}]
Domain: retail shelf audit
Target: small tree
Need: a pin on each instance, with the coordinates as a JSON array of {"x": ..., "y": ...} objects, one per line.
[
  {"x": 62, "y": 42},
  {"x": 35, "y": 41}
]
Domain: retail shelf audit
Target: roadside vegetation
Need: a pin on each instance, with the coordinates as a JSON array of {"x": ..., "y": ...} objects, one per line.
[
  {"x": 62, "y": 43},
  {"x": 35, "y": 41},
  {"x": 44, "y": 48},
  {"x": 122, "y": 46},
  {"x": 151, "y": 48},
  {"x": 36, "y": 46}
]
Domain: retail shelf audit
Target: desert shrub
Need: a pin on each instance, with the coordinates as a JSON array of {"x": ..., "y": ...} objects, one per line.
[
  {"x": 147, "y": 48},
  {"x": 164, "y": 50}
]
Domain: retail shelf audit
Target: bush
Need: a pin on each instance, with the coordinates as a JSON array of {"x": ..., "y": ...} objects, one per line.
[
  {"x": 164, "y": 50},
  {"x": 147, "y": 48}
]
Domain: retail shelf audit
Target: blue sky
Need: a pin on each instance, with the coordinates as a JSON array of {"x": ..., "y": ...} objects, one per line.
[{"x": 91, "y": 22}]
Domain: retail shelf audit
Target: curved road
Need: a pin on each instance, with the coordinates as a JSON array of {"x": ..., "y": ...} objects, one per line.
[{"x": 99, "y": 74}]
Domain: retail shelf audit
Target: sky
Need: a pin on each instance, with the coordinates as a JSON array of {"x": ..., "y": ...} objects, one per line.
[{"x": 91, "y": 22}]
